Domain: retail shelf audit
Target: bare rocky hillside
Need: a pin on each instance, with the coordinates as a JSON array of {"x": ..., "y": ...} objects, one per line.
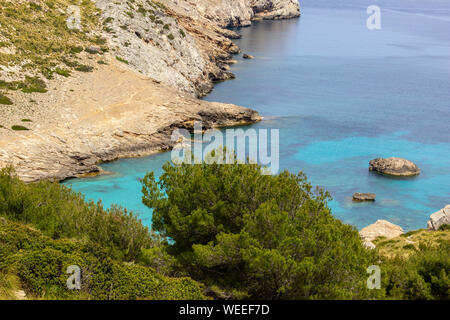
[{"x": 119, "y": 83}]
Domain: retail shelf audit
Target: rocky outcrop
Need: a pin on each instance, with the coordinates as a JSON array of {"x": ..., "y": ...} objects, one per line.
[
  {"x": 437, "y": 219},
  {"x": 394, "y": 167},
  {"x": 184, "y": 44},
  {"x": 364, "y": 196},
  {"x": 130, "y": 106},
  {"x": 273, "y": 10},
  {"x": 238, "y": 13},
  {"x": 102, "y": 116},
  {"x": 381, "y": 228}
]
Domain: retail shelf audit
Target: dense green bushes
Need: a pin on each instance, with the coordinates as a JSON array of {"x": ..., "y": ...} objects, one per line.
[
  {"x": 41, "y": 263},
  {"x": 423, "y": 275},
  {"x": 241, "y": 233},
  {"x": 60, "y": 213},
  {"x": 246, "y": 234}
]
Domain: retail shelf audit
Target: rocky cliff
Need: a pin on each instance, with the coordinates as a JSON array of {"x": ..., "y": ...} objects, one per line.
[
  {"x": 105, "y": 115},
  {"x": 117, "y": 85},
  {"x": 182, "y": 43}
]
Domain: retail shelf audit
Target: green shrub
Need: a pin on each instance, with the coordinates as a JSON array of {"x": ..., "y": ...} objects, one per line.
[
  {"x": 41, "y": 263},
  {"x": 108, "y": 20},
  {"x": 62, "y": 72},
  {"x": 424, "y": 275},
  {"x": 76, "y": 49},
  {"x": 19, "y": 128},
  {"x": 122, "y": 60},
  {"x": 255, "y": 235},
  {"x": 33, "y": 84},
  {"x": 58, "y": 212},
  {"x": 5, "y": 100},
  {"x": 84, "y": 68},
  {"x": 159, "y": 259}
]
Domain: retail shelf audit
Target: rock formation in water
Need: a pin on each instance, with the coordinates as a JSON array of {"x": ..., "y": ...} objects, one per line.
[
  {"x": 357, "y": 196},
  {"x": 439, "y": 218},
  {"x": 394, "y": 167}
]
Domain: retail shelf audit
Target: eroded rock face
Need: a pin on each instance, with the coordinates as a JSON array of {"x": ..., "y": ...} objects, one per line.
[
  {"x": 234, "y": 13},
  {"x": 394, "y": 167},
  {"x": 439, "y": 218},
  {"x": 364, "y": 196},
  {"x": 281, "y": 9},
  {"x": 184, "y": 44},
  {"x": 381, "y": 228}
]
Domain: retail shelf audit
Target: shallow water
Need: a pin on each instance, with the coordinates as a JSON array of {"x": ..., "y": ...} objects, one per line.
[{"x": 341, "y": 95}]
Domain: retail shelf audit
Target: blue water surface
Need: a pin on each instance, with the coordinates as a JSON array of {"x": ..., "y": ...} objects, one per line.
[{"x": 340, "y": 95}]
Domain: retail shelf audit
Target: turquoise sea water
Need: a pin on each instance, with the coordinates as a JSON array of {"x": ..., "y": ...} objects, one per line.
[{"x": 340, "y": 95}]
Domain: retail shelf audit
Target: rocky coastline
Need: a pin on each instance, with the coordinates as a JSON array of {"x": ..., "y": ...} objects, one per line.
[{"x": 160, "y": 57}]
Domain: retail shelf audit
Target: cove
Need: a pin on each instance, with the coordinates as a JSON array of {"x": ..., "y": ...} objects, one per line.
[{"x": 340, "y": 95}]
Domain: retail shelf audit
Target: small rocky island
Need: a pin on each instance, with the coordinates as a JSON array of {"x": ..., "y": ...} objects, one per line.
[
  {"x": 357, "y": 196},
  {"x": 394, "y": 167}
]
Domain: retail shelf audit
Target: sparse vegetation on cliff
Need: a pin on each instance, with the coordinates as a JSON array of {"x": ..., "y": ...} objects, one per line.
[
  {"x": 5, "y": 100},
  {"x": 38, "y": 37}
]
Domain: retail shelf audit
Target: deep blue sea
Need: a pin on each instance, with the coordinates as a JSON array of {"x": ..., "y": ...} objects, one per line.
[{"x": 341, "y": 95}]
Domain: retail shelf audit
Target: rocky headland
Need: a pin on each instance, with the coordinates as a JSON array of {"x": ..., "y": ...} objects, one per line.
[{"x": 119, "y": 88}]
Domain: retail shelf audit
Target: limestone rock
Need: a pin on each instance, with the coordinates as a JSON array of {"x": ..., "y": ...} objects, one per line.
[
  {"x": 20, "y": 295},
  {"x": 105, "y": 115},
  {"x": 189, "y": 45},
  {"x": 273, "y": 10},
  {"x": 234, "y": 13},
  {"x": 364, "y": 196},
  {"x": 439, "y": 218},
  {"x": 381, "y": 228},
  {"x": 394, "y": 166},
  {"x": 369, "y": 245},
  {"x": 94, "y": 49}
]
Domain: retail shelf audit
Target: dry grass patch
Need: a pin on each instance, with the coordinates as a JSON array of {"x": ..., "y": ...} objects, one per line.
[{"x": 409, "y": 242}]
